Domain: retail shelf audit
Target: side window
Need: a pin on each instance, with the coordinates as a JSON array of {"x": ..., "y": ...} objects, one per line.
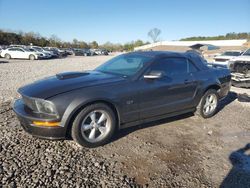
[
  {"x": 12, "y": 49},
  {"x": 171, "y": 66},
  {"x": 20, "y": 50}
]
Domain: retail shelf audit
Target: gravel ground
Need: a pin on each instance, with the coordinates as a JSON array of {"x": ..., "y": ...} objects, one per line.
[{"x": 183, "y": 151}]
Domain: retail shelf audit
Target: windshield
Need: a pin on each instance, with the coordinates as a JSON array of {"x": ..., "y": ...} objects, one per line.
[
  {"x": 231, "y": 54},
  {"x": 125, "y": 65},
  {"x": 247, "y": 52}
]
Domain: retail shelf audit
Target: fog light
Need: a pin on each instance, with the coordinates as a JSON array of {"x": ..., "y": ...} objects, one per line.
[{"x": 46, "y": 123}]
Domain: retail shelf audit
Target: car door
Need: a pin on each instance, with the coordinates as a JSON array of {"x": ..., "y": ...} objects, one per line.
[
  {"x": 14, "y": 53},
  {"x": 17, "y": 53},
  {"x": 173, "y": 91},
  {"x": 23, "y": 54}
]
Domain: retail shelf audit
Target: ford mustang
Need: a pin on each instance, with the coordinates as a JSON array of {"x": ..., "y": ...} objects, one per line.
[{"x": 128, "y": 90}]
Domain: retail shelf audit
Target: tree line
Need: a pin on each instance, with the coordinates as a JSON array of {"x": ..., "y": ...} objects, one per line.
[
  {"x": 8, "y": 38},
  {"x": 228, "y": 36}
]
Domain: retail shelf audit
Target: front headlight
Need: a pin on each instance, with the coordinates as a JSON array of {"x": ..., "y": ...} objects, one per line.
[{"x": 45, "y": 107}]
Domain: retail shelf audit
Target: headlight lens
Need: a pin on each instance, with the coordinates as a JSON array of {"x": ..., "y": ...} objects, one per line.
[{"x": 46, "y": 107}]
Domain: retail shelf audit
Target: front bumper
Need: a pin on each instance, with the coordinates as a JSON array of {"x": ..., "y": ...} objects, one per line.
[{"x": 26, "y": 118}]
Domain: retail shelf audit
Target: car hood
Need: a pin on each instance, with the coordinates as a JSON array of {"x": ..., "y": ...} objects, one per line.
[
  {"x": 242, "y": 58},
  {"x": 67, "y": 81},
  {"x": 224, "y": 57}
]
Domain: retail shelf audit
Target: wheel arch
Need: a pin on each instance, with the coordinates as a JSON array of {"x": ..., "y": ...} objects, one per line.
[
  {"x": 6, "y": 55},
  {"x": 68, "y": 123},
  {"x": 213, "y": 86},
  {"x": 32, "y": 55}
]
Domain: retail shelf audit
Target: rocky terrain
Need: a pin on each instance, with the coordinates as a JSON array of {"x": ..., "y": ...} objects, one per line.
[{"x": 183, "y": 151}]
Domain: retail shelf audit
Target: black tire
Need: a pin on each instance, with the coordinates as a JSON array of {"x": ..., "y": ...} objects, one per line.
[
  {"x": 7, "y": 56},
  {"x": 200, "y": 108},
  {"x": 76, "y": 130},
  {"x": 32, "y": 57}
]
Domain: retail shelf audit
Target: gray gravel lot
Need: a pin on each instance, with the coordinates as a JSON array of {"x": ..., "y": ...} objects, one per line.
[
  {"x": 16, "y": 73},
  {"x": 183, "y": 151}
]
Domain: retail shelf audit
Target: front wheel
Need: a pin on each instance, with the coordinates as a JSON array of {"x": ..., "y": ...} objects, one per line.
[
  {"x": 94, "y": 125},
  {"x": 208, "y": 105}
]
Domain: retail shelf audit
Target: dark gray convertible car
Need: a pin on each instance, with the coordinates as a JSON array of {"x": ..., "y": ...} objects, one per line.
[{"x": 127, "y": 90}]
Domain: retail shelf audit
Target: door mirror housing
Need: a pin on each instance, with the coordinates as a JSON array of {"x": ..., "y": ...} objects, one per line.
[{"x": 153, "y": 75}]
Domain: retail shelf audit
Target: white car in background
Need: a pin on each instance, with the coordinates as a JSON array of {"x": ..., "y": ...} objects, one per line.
[
  {"x": 226, "y": 57},
  {"x": 20, "y": 53},
  {"x": 245, "y": 56},
  {"x": 241, "y": 63}
]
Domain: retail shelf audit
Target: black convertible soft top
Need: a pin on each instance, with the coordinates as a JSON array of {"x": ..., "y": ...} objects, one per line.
[{"x": 199, "y": 61}]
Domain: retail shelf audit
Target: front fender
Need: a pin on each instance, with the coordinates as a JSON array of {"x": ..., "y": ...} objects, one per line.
[{"x": 71, "y": 102}]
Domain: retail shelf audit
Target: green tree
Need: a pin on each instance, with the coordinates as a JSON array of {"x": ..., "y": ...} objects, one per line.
[
  {"x": 83, "y": 44},
  {"x": 94, "y": 44},
  {"x": 138, "y": 43}
]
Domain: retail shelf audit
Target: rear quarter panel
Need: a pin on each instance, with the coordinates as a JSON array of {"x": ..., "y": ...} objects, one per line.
[{"x": 205, "y": 79}]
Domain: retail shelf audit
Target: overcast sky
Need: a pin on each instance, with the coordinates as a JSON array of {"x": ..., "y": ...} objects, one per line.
[{"x": 121, "y": 21}]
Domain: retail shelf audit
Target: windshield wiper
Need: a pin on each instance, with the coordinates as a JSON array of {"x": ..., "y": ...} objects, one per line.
[{"x": 113, "y": 73}]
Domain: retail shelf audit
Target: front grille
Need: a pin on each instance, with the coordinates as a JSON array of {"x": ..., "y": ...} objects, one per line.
[
  {"x": 29, "y": 102},
  {"x": 221, "y": 60}
]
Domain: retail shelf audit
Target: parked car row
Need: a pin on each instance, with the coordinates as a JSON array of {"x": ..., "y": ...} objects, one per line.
[
  {"x": 36, "y": 52},
  {"x": 21, "y": 53},
  {"x": 89, "y": 52},
  {"x": 30, "y": 52}
]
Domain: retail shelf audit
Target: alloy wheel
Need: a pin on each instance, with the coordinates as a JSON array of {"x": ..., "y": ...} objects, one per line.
[
  {"x": 210, "y": 104},
  {"x": 96, "y": 125}
]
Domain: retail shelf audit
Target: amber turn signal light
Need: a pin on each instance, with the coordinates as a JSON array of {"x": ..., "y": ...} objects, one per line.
[{"x": 46, "y": 123}]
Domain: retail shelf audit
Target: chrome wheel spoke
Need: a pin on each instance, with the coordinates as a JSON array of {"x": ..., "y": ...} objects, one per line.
[
  {"x": 86, "y": 127},
  {"x": 102, "y": 130},
  {"x": 207, "y": 109},
  {"x": 92, "y": 134},
  {"x": 101, "y": 119},
  {"x": 93, "y": 117},
  {"x": 210, "y": 98},
  {"x": 207, "y": 100}
]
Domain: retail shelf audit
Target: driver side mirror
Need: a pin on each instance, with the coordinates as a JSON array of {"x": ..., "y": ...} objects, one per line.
[{"x": 153, "y": 75}]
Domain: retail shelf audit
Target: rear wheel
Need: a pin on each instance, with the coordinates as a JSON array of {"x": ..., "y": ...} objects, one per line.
[
  {"x": 7, "y": 56},
  {"x": 94, "y": 125},
  {"x": 32, "y": 57},
  {"x": 208, "y": 105}
]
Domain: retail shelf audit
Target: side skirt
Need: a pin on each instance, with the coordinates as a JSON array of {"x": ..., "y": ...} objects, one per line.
[{"x": 130, "y": 124}]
